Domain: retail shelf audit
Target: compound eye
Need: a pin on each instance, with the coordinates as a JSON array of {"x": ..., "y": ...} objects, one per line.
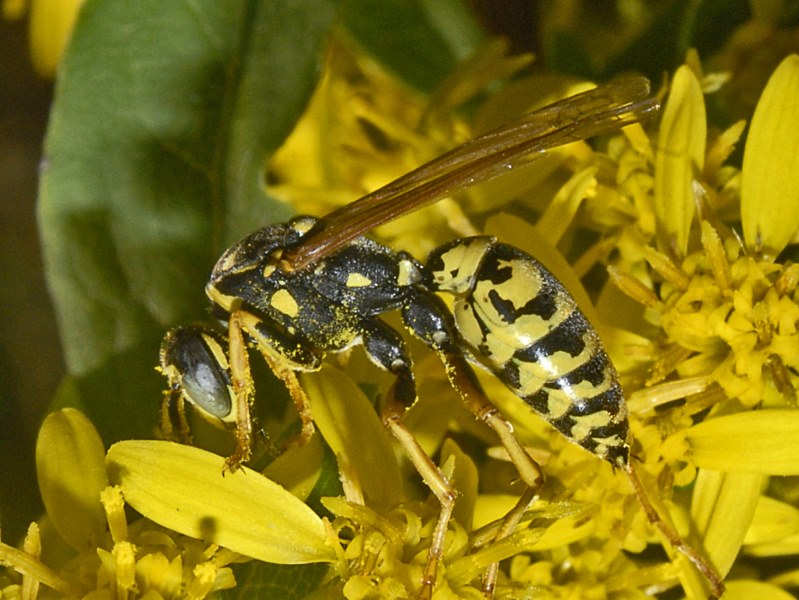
[{"x": 200, "y": 361}]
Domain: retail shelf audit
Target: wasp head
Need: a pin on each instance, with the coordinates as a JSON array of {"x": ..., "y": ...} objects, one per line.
[{"x": 249, "y": 265}]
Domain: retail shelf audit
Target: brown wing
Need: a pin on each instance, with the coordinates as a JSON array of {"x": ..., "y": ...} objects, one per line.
[{"x": 578, "y": 117}]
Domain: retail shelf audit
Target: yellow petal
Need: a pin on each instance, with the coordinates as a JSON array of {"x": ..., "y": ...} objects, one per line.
[
  {"x": 465, "y": 480},
  {"x": 51, "y": 23},
  {"x": 26, "y": 561},
  {"x": 723, "y": 506},
  {"x": 183, "y": 489},
  {"x": 786, "y": 546},
  {"x": 561, "y": 211},
  {"x": 746, "y": 589},
  {"x": 680, "y": 156},
  {"x": 71, "y": 474},
  {"x": 722, "y": 147},
  {"x": 773, "y": 521},
  {"x": 298, "y": 468},
  {"x": 569, "y": 529},
  {"x": 769, "y": 186},
  {"x": 352, "y": 429},
  {"x": 492, "y": 507},
  {"x": 764, "y": 441},
  {"x": 787, "y": 579}
]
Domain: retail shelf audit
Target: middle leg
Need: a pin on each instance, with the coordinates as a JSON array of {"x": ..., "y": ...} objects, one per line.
[
  {"x": 386, "y": 348},
  {"x": 430, "y": 320}
]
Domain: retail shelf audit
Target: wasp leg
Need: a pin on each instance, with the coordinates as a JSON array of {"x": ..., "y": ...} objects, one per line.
[
  {"x": 701, "y": 563},
  {"x": 291, "y": 352},
  {"x": 305, "y": 359},
  {"x": 243, "y": 389},
  {"x": 507, "y": 526},
  {"x": 174, "y": 425},
  {"x": 463, "y": 379},
  {"x": 387, "y": 349},
  {"x": 429, "y": 319}
]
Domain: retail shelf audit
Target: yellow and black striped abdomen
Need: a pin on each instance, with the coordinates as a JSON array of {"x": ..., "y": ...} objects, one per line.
[{"x": 523, "y": 324}]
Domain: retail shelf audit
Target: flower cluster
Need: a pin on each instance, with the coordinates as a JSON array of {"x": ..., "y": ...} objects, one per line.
[
  {"x": 706, "y": 328},
  {"x": 87, "y": 549},
  {"x": 699, "y": 314}
]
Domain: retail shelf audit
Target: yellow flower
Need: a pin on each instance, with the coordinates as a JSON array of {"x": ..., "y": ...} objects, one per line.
[
  {"x": 719, "y": 327},
  {"x": 378, "y": 538},
  {"x": 726, "y": 313},
  {"x": 705, "y": 335},
  {"x": 717, "y": 330},
  {"x": 571, "y": 181},
  {"x": 51, "y": 22},
  {"x": 90, "y": 548}
]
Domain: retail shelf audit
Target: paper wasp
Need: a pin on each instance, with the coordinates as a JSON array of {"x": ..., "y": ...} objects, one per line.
[{"x": 300, "y": 289}]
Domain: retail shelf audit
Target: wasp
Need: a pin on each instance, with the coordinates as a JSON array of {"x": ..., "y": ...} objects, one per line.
[{"x": 296, "y": 291}]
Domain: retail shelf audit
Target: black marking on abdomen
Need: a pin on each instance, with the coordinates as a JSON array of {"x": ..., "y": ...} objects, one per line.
[
  {"x": 544, "y": 305},
  {"x": 594, "y": 371},
  {"x": 567, "y": 336}
]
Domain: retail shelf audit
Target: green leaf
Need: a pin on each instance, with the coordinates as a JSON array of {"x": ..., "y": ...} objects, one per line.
[
  {"x": 265, "y": 580},
  {"x": 164, "y": 115},
  {"x": 127, "y": 384},
  {"x": 163, "y": 118},
  {"x": 421, "y": 41}
]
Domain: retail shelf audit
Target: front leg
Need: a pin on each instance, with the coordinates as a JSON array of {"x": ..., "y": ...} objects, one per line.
[{"x": 285, "y": 355}]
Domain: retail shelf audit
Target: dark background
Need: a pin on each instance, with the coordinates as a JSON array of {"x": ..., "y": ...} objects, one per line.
[{"x": 30, "y": 357}]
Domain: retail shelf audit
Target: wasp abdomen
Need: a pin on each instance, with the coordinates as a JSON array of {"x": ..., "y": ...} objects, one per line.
[{"x": 525, "y": 326}]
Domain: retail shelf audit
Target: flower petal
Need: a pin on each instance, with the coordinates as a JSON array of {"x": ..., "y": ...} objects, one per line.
[
  {"x": 769, "y": 186},
  {"x": 746, "y": 589},
  {"x": 71, "y": 474},
  {"x": 50, "y": 27},
  {"x": 786, "y": 546},
  {"x": 465, "y": 478},
  {"x": 298, "y": 468},
  {"x": 764, "y": 441},
  {"x": 679, "y": 158},
  {"x": 183, "y": 488},
  {"x": 773, "y": 521},
  {"x": 352, "y": 429},
  {"x": 561, "y": 211},
  {"x": 723, "y": 506}
]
